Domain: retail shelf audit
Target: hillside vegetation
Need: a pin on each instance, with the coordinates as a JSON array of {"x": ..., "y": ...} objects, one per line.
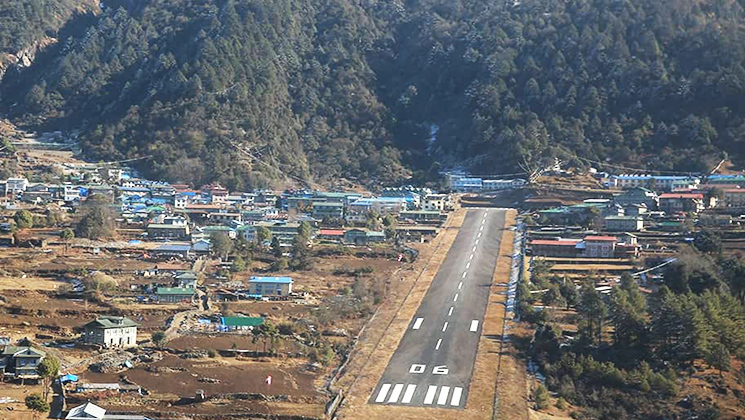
[{"x": 378, "y": 90}]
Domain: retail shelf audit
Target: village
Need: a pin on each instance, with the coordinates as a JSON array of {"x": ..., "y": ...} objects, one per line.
[
  {"x": 174, "y": 300},
  {"x": 196, "y": 296}
]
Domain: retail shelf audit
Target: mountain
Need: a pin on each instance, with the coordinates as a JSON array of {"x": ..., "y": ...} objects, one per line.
[{"x": 253, "y": 92}]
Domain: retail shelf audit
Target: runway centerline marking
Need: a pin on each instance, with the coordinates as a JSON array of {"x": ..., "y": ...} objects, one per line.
[
  {"x": 430, "y": 394},
  {"x": 444, "y": 326},
  {"x": 450, "y": 312},
  {"x": 457, "y": 392},
  {"x": 471, "y": 257},
  {"x": 460, "y": 285},
  {"x": 409, "y": 394},
  {"x": 417, "y": 323},
  {"x": 477, "y": 241},
  {"x": 383, "y": 392},
  {"x": 465, "y": 273},
  {"x": 474, "y": 249},
  {"x": 474, "y": 325},
  {"x": 442, "y": 399},
  {"x": 396, "y": 393},
  {"x": 437, "y": 347},
  {"x": 455, "y": 298}
]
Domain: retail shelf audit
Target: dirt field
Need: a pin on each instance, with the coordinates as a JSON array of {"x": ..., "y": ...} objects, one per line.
[
  {"x": 19, "y": 393},
  {"x": 173, "y": 376}
]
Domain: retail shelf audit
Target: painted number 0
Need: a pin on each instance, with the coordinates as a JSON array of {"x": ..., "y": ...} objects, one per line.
[{"x": 417, "y": 369}]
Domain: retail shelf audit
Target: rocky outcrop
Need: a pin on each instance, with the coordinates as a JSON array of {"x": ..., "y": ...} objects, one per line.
[{"x": 25, "y": 57}]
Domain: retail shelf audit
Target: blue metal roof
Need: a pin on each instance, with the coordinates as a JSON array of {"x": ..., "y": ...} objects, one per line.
[{"x": 283, "y": 280}]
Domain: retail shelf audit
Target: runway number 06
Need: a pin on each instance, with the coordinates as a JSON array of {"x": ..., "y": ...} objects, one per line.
[{"x": 437, "y": 370}]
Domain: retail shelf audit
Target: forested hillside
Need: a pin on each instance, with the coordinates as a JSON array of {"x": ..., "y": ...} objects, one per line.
[{"x": 373, "y": 90}]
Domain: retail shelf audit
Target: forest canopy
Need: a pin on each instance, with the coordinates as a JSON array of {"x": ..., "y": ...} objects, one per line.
[{"x": 249, "y": 92}]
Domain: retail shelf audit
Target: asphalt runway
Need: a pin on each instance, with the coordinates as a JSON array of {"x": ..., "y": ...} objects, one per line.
[{"x": 433, "y": 364}]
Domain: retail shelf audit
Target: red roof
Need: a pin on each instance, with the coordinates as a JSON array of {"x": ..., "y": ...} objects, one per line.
[
  {"x": 735, "y": 191},
  {"x": 331, "y": 232},
  {"x": 689, "y": 195},
  {"x": 563, "y": 242},
  {"x": 601, "y": 238}
]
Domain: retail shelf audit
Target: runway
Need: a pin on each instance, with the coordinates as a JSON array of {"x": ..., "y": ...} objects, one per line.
[{"x": 433, "y": 363}]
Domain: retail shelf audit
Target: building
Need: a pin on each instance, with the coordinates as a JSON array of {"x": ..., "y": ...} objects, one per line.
[
  {"x": 380, "y": 205},
  {"x": 655, "y": 182},
  {"x": 174, "y": 294},
  {"x": 600, "y": 246},
  {"x": 423, "y": 216},
  {"x": 224, "y": 218},
  {"x": 325, "y": 210},
  {"x": 462, "y": 183},
  {"x": 555, "y": 247},
  {"x": 208, "y": 231},
  {"x": 16, "y": 185},
  {"x": 111, "y": 331},
  {"x": 90, "y": 411},
  {"x": 173, "y": 250},
  {"x": 734, "y": 197},
  {"x": 672, "y": 203},
  {"x": 330, "y": 234},
  {"x": 502, "y": 184},
  {"x": 437, "y": 202},
  {"x": 171, "y": 228},
  {"x": 275, "y": 286},
  {"x": 624, "y": 223},
  {"x": 186, "y": 279},
  {"x": 363, "y": 237},
  {"x": 637, "y": 195},
  {"x": 240, "y": 323},
  {"x": 20, "y": 362}
]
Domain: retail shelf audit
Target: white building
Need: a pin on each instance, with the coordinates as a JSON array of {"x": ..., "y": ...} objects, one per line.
[
  {"x": 15, "y": 185},
  {"x": 111, "y": 331}
]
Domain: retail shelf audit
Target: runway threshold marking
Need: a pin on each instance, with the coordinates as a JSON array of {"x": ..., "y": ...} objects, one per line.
[
  {"x": 443, "y": 398},
  {"x": 430, "y": 394},
  {"x": 409, "y": 394},
  {"x": 417, "y": 323},
  {"x": 457, "y": 392},
  {"x": 383, "y": 392},
  {"x": 474, "y": 325},
  {"x": 396, "y": 393}
]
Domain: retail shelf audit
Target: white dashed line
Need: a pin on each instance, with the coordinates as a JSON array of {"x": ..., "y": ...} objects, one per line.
[
  {"x": 468, "y": 266},
  {"x": 444, "y": 326},
  {"x": 465, "y": 273},
  {"x": 450, "y": 312},
  {"x": 430, "y": 395},
  {"x": 455, "y": 298},
  {"x": 477, "y": 241},
  {"x": 474, "y": 249},
  {"x": 437, "y": 347},
  {"x": 442, "y": 399},
  {"x": 474, "y": 325},
  {"x": 479, "y": 234},
  {"x": 396, "y": 393},
  {"x": 481, "y": 228},
  {"x": 457, "y": 392},
  {"x": 471, "y": 257},
  {"x": 460, "y": 285},
  {"x": 417, "y": 323},
  {"x": 409, "y": 394},
  {"x": 383, "y": 392}
]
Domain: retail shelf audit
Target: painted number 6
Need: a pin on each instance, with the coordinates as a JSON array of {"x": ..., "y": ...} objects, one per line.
[{"x": 440, "y": 370}]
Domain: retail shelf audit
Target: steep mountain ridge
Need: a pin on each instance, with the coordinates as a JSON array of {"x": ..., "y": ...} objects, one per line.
[{"x": 247, "y": 92}]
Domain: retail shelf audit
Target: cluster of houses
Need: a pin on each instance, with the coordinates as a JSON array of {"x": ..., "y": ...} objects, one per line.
[
  {"x": 462, "y": 182},
  {"x": 178, "y": 213},
  {"x": 648, "y": 203}
]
